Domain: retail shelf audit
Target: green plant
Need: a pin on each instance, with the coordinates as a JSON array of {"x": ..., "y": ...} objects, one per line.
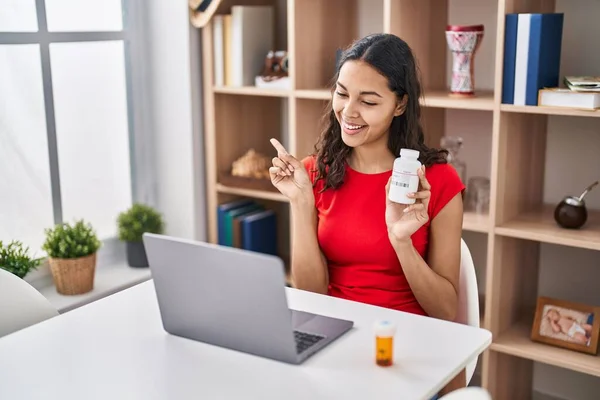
[
  {"x": 139, "y": 218},
  {"x": 68, "y": 240},
  {"x": 15, "y": 258}
]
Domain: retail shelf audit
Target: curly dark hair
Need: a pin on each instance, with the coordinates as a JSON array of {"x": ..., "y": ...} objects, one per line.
[{"x": 393, "y": 58}]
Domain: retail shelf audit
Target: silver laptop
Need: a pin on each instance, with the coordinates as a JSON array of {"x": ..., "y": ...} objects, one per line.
[{"x": 235, "y": 299}]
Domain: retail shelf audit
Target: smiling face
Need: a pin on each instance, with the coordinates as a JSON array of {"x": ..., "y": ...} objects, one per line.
[{"x": 364, "y": 105}]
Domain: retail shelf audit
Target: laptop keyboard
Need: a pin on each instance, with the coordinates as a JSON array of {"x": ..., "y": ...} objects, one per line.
[{"x": 305, "y": 340}]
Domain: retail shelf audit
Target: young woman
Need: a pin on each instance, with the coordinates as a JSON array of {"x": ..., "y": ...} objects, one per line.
[{"x": 350, "y": 241}]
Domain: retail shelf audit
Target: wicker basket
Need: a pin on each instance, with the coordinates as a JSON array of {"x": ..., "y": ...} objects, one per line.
[{"x": 73, "y": 275}]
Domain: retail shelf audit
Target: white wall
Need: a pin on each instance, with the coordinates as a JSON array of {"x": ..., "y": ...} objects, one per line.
[{"x": 176, "y": 125}]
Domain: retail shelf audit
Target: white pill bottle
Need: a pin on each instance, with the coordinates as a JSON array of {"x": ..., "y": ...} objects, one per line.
[{"x": 404, "y": 177}]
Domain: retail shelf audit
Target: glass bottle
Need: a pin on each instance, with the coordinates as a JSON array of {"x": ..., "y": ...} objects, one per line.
[
  {"x": 384, "y": 343},
  {"x": 453, "y": 144}
]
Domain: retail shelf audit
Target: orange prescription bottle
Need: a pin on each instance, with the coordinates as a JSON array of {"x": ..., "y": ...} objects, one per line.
[{"x": 384, "y": 343}]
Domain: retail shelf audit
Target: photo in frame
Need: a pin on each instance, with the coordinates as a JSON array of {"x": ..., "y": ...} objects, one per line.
[{"x": 566, "y": 324}]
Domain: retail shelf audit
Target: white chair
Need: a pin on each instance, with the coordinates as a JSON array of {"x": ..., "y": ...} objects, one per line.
[
  {"x": 468, "y": 393},
  {"x": 468, "y": 298},
  {"x": 21, "y": 304}
]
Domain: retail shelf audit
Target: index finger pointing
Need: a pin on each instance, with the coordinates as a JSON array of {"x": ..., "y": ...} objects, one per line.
[{"x": 278, "y": 146}]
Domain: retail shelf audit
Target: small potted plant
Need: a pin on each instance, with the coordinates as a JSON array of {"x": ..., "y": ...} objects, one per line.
[
  {"x": 15, "y": 258},
  {"x": 72, "y": 252},
  {"x": 133, "y": 223}
]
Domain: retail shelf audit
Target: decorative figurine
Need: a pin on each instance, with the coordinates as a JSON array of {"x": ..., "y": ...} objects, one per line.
[
  {"x": 275, "y": 73},
  {"x": 464, "y": 42},
  {"x": 453, "y": 144},
  {"x": 571, "y": 212}
]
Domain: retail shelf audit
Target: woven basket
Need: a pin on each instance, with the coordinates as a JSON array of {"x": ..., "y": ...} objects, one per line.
[{"x": 73, "y": 275}]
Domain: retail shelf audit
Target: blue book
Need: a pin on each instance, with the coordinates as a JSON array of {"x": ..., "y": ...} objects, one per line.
[
  {"x": 221, "y": 210},
  {"x": 510, "y": 55},
  {"x": 538, "y": 48},
  {"x": 237, "y": 227},
  {"x": 230, "y": 215},
  {"x": 259, "y": 232}
]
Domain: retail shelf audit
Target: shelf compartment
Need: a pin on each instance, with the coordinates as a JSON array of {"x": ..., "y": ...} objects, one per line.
[
  {"x": 282, "y": 212},
  {"x": 578, "y": 29},
  {"x": 430, "y": 50},
  {"x": 315, "y": 47},
  {"x": 433, "y": 55},
  {"x": 475, "y": 128},
  {"x": 251, "y": 91},
  {"x": 247, "y": 122},
  {"x": 545, "y": 110},
  {"x": 475, "y": 222},
  {"x": 539, "y": 225},
  {"x": 516, "y": 342},
  {"x": 252, "y": 66}
]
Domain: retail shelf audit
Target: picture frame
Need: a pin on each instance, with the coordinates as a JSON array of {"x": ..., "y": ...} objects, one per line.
[{"x": 566, "y": 324}]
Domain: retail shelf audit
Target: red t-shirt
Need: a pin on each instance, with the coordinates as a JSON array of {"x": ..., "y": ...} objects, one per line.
[{"x": 352, "y": 234}]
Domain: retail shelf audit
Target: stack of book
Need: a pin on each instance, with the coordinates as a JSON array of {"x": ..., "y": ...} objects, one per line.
[
  {"x": 532, "y": 47},
  {"x": 581, "y": 92},
  {"x": 247, "y": 225}
]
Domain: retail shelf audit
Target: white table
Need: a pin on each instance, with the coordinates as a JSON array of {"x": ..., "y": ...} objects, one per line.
[{"x": 115, "y": 348}]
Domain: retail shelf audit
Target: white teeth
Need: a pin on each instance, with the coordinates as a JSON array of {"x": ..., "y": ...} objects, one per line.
[{"x": 352, "y": 127}]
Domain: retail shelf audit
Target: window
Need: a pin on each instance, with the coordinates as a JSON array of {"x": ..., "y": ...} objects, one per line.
[{"x": 69, "y": 115}]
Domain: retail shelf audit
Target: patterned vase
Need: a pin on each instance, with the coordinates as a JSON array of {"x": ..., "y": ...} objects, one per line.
[{"x": 464, "y": 42}]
